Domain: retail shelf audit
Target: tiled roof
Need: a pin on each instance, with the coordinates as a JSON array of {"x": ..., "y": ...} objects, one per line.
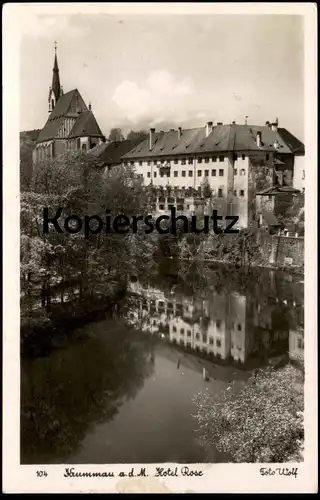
[
  {"x": 223, "y": 138},
  {"x": 56, "y": 118},
  {"x": 270, "y": 218},
  {"x": 70, "y": 104},
  {"x": 85, "y": 125},
  {"x": 294, "y": 144},
  {"x": 274, "y": 190},
  {"x": 63, "y": 104},
  {"x": 50, "y": 129},
  {"x": 111, "y": 152}
]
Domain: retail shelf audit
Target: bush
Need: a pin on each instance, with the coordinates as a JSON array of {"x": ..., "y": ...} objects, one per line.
[{"x": 261, "y": 423}]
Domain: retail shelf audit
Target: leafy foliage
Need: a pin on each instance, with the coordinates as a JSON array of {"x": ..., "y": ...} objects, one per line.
[
  {"x": 116, "y": 135},
  {"x": 137, "y": 136},
  {"x": 75, "y": 183},
  {"x": 261, "y": 423}
]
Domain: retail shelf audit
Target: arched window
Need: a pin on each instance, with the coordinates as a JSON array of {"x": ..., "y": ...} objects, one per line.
[{"x": 242, "y": 171}]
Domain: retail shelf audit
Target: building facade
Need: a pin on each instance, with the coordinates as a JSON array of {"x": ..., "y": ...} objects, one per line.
[
  {"x": 226, "y": 325},
  {"x": 232, "y": 161},
  {"x": 71, "y": 125}
]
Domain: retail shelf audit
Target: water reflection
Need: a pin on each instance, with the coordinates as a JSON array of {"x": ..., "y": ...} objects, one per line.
[
  {"x": 246, "y": 327},
  {"x": 122, "y": 394},
  {"x": 64, "y": 394}
]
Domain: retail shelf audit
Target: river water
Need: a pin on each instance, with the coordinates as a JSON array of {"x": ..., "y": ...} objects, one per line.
[{"x": 121, "y": 390}]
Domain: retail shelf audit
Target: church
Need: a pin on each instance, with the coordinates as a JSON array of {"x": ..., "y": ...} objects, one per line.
[{"x": 71, "y": 125}]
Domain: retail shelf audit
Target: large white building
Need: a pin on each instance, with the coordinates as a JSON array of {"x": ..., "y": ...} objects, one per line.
[{"x": 234, "y": 160}]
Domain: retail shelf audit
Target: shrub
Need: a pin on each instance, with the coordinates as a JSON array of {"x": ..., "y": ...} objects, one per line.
[{"x": 261, "y": 423}]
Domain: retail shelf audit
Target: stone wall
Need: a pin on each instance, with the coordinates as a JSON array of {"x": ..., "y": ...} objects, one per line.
[{"x": 281, "y": 251}]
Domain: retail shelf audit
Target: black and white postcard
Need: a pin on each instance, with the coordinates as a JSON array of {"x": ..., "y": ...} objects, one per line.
[{"x": 160, "y": 299}]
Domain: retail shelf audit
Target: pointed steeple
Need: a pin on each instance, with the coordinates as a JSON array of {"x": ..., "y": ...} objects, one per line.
[{"x": 56, "y": 88}]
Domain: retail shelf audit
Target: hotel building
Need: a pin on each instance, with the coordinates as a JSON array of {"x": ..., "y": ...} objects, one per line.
[{"x": 235, "y": 161}]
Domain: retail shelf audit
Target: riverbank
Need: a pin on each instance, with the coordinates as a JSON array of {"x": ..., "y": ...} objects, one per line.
[
  {"x": 247, "y": 249},
  {"x": 298, "y": 270}
]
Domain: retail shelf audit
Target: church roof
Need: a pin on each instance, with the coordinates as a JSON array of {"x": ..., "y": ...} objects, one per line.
[
  {"x": 50, "y": 129},
  {"x": 69, "y": 104},
  {"x": 85, "y": 125},
  {"x": 63, "y": 104}
]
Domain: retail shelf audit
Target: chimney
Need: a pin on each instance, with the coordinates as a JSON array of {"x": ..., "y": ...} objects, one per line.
[
  {"x": 274, "y": 126},
  {"x": 259, "y": 141},
  {"x": 267, "y": 123},
  {"x": 179, "y": 133},
  {"x": 233, "y": 123},
  {"x": 151, "y": 137},
  {"x": 208, "y": 128}
]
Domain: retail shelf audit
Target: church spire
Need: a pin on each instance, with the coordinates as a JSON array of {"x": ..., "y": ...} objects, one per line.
[
  {"x": 55, "y": 90},
  {"x": 55, "y": 77}
]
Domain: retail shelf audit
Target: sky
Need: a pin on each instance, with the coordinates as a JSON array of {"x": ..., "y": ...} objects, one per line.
[{"x": 167, "y": 71}]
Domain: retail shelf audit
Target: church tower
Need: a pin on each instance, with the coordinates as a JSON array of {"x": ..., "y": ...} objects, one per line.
[
  {"x": 71, "y": 125},
  {"x": 55, "y": 91}
]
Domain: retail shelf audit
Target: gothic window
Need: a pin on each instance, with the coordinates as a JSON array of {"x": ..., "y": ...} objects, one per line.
[{"x": 52, "y": 104}]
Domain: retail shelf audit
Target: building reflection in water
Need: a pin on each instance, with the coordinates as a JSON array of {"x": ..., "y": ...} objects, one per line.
[{"x": 247, "y": 329}]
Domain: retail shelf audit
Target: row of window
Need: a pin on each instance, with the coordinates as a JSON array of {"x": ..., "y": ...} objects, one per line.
[
  {"x": 182, "y": 330},
  {"x": 241, "y": 192},
  {"x": 179, "y": 207},
  {"x": 189, "y": 161},
  {"x": 190, "y": 173},
  {"x": 197, "y": 336},
  {"x": 242, "y": 171},
  {"x": 162, "y": 206},
  {"x": 184, "y": 161}
]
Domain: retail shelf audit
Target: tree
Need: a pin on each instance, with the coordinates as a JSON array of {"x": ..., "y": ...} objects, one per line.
[
  {"x": 206, "y": 189},
  {"x": 116, "y": 135},
  {"x": 137, "y": 136},
  {"x": 27, "y": 144},
  {"x": 261, "y": 423},
  {"x": 74, "y": 183}
]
